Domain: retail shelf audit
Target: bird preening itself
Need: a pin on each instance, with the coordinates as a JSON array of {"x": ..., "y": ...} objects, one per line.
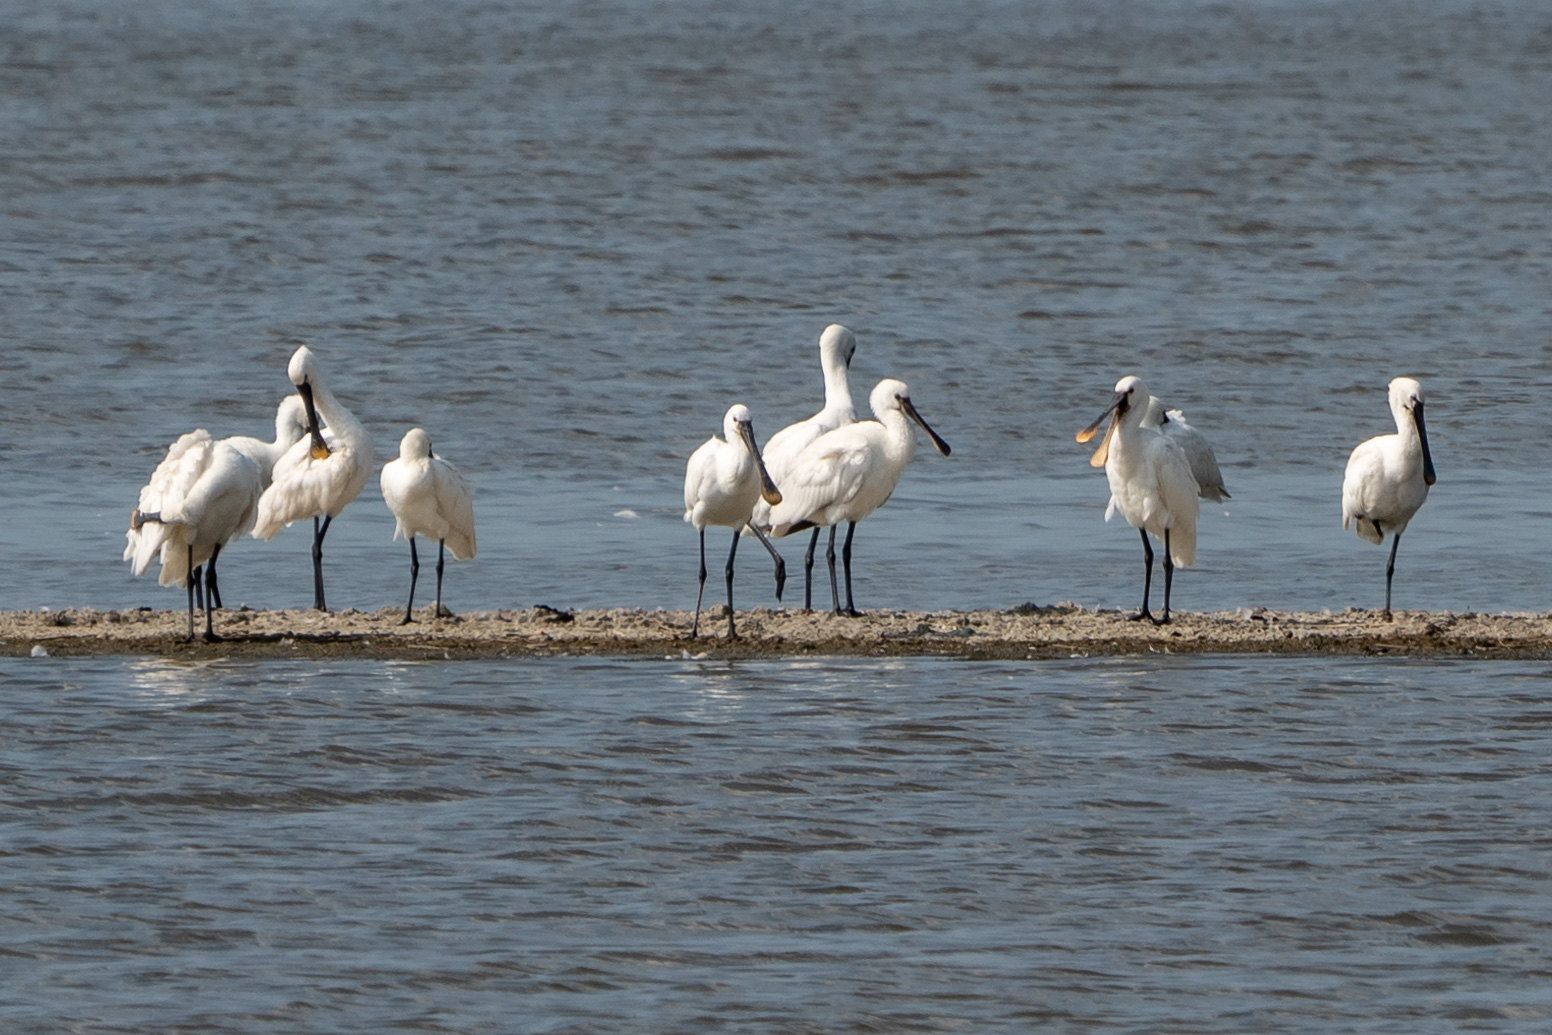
[
  {"x": 200, "y": 497},
  {"x": 1388, "y": 476},
  {"x": 428, "y": 497},
  {"x": 1150, "y": 484},
  {"x": 723, "y": 480},
  {"x": 290, "y": 427},
  {"x": 319, "y": 475},
  {"x": 846, "y": 474}
]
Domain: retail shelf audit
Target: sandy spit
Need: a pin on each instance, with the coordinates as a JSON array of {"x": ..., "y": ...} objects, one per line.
[{"x": 1057, "y": 631}]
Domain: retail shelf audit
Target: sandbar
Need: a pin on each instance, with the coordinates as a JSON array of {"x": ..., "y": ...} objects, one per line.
[{"x": 1026, "y": 632}]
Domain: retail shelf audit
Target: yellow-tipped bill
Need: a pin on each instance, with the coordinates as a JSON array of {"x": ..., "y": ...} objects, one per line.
[
  {"x": 1114, "y": 411},
  {"x": 320, "y": 449}
]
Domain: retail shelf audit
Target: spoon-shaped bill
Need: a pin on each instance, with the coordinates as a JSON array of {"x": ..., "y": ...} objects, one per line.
[
  {"x": 768, "y": 490},
  {"x": 1114, "y": 411},
  {"x": 910, "y": 411},
  {"x": 1422, "y": 433}
]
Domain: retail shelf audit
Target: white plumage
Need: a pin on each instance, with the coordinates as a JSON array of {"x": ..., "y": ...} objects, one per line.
[
  {"x": 837, "y": 345},
  {"x": 1388, "y": 476},
  {"x": 846, "y": 474},
  {"x": 200, "y": 497},
  {"x": 428, "y": 497},
  {"x": 319, "y": 475},
  {"x": 1199, "y": 454},
  {"x": 723, "y": 480},
  {"x": 1150, "y": 484},
  {"x": 290, "y": 426}
]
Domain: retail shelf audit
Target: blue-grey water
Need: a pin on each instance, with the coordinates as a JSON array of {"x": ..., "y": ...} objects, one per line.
[
  {"x": 1129, "y": 845},
  {"x": 564, "y": 237}
]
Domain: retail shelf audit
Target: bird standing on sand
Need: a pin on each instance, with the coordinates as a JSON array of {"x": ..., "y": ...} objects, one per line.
[
  {"x": 322, "y": 473},
  {"x": 846, "y": 474},
  {"x": 837, "y": 345},
  {"x": 1150, "y": 484},
  {"x": 722, "y": 482},
  {"x": 428, "y": 497},
  {"x": 200, "y": 497},
  {"x": 1388, "y": 476}
]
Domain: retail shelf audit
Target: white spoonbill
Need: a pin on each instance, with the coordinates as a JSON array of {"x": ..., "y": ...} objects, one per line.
[
  {"x": 200, "y": 497},
  {"x": 837, "y": 345},
  {"x": 318, "y": 476},
  {"x": 1388, "y": 476},
  {"x": 846, "y": 474},
  {"x": 722, "y": 480},
  {"x": 1150, "y": 484},
  {"x": 428, "y": 497},
  {"x": 290, "y": 426}
]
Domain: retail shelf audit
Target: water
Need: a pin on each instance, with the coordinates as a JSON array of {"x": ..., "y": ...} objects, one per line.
[
  {"x": 564, "y": 238},
  {"x": 1129, "y": 845}
]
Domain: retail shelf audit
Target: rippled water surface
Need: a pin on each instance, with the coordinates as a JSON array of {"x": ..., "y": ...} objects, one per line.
[{"x": 1132, "y": 845}]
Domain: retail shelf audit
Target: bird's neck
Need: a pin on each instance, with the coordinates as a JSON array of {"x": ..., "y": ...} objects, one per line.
[
  {"x": 900, "y": 435},
  {"x": 837, "y": 391},
  {"x": 334, "y": 415}
]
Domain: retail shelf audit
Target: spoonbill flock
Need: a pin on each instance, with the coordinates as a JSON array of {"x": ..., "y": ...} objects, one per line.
[
  {"x": 817, "y": 473},
  {"x": 207, "y": 493}
]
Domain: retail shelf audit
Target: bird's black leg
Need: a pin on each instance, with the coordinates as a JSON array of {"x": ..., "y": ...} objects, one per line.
[
  {"x": 781, "y": 565},
  {"x": 695, "y": 629},
  {"x": 212, "y": 597},
  {"x": 732, "y": 632},
  {"x": 1169, "y": 573},
  {"x": 851, "y": 608},
  {"x": 835, "y": 596},
  {"x": 808, "y": 572},
  {"x": 409, "y": 607},
  {"x": 441, "y": 612},
  {"x": 1390, "y": 569},
  {"x": 1147, "y": 578},
  {"x": 212, "y": 591},
  {"x": 193, "y": 578},
  {"x": 319, "y": 531}
]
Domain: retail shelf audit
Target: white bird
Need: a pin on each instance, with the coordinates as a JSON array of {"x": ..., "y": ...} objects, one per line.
[
  {"x": 1388, "y": 476},
  {"x": 846, "y": 474},
  {"x": 1150, "y": 484},
  {"x": 837, "y": 345},
  {"x": 722, "y": 481},
  {"x": 428, "y": 497},
  {"x": 1204, "y": 464},
  {"x": 319, "y": 475},
  {"x": 200, "y": 497},
  {"x": 290, "y": 426}
]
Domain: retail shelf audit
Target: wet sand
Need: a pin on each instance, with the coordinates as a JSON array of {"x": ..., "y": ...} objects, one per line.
[{"x": 1029, "y": 631}]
